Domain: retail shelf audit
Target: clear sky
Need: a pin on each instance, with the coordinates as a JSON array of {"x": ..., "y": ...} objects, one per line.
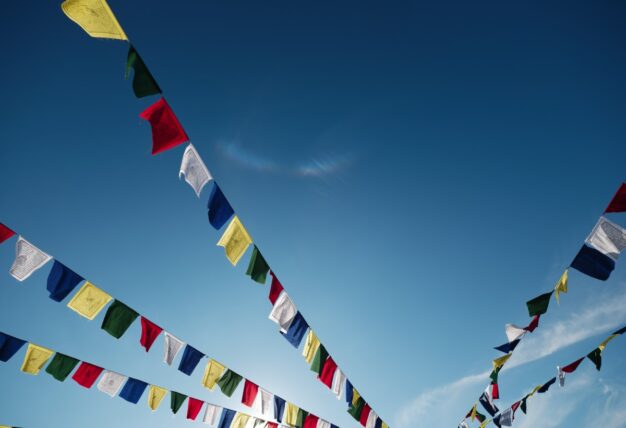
[{"x": 413, "y": 171}]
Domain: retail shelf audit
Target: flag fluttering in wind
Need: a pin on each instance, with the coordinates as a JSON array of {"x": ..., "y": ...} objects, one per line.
[
  {"x": 194, "y": 170},
  {"x": 167, "y": 132},
  {"x": 143, "y": 82},
  {"x": 95, "y": 17}
]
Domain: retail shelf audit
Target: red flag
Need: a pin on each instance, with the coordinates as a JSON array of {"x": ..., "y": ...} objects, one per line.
[
  {"x": 365, "y": 414},
  {"x": 533, "y": 324},
  {"x": 5, "y": 233},
  {"x": 328, "y": 371},
  {"x": 571, "y": 367},
  {"x": 310, "y": 421},
  {"x": 495, "y": 391},
  {"x": 193, "y": 408},
  {"x": 149, "y": 332},
  {"x": 514, "y": 407},
  {"x": 250, "y": 390},
  {"x": 87, "y": 374},
  {"x": 167, "y": 132},
  {"x": 618, "y": 203},
  {"x": 272, "y": 425},
  {"x": 275, "y": 289}
]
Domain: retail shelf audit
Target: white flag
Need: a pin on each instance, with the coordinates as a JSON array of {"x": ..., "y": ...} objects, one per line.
[
  {"x": 194, "y": 170},
  {"x": 172, "y": 347},
  {"x": 506, "y": 417},
  {"x": 561, "y": 376},
  {"x": 371, "y": 420},
  {"x": 608, "y": 238},
  {"x": 464, "y": 424},
  {"x": 111, "y": 382},
  {"x": 321, "y": 423},
  {"x": 339, "y": 379},
  {"x": 283, "y": 312},
  {"x": 211, "y": 414},
  {"x": 513, "y": 332},
  {"x": 28, "y": 259},
  {"x": 267, "y": 401}
]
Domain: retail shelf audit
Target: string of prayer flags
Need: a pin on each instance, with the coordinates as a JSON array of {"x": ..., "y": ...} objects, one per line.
[
  {"x": 143, "y": 83},
  {"x": 118, "y": 318},
  {"x": 193, "y": 408},
  {"x": 35, "y": 358},
  {"x": 570, "y": 368},
  {"x": 279, "y": 408},
  {"x": 194, "y": 170},
  {"x": 86, "y": 374},
  {"x": 250, "y": 391},
  {"x": 328, "y": 372},
  {"x": 9, "y": 346},
  {"x": 95, "y": 18},
  {"x": 89, "y": 301},
  {"x": 355, "y": 409},
  {"x": 61, "y": 366},
  {"x": 133, "y": 390},
  {"x": 189, "y": 361},
  {"x": 310, "y": 421},
  {"x": 229, "y": 382},
  {"x": 534, "y": 323},
  {"x": 176, "y": 401},
  {"x": 302, "y": 415},
  {"x": 297, "y": 330},
  {"x": 618, "y": 203},
  {"x": 539, "y": 305},
  {"x": 593, "y": 263},
  {"x": 110, "y": 383},
  {"x": 219, "y": 208},
  {"x": 275, "y": 289},
  {"x": 283, "y": 312},
  {"x": 561, "y": 285},
  {"x": 258, "y": 267},
  {"x": 62, "y": 281},
  {"x": 5, "y": 233},
  {"x": 173, "y": 346},
  {"x": 149, "y": 332},
  {"x": 212, "y": 373},
  {"x": 167, "y": 132},
  {"x": 508, "y": 347},
  {"x": 235, "y": 241},
  {"x": 504, "y": 419},
  {"x": 28, "y": 259},
  {"x": 227, "y": 418},
  {"x": 155, "y": 396}
]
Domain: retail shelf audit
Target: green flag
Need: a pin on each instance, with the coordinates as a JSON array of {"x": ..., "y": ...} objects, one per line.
[
  {"x": 258, "y": 267},
  {"x": 177, "y": 400},
  {"x": 494, "y": 374},
  {"x": 319, "y": 359},
  {"x": 523, "y": 405},
  {"x": 539, "y": 305},
  {"x": 357, "y": 409},
  {"x": 143, "y": 82},
  {"x": 596, "y": 357},
  {"x": 118, "y": 318},
  {"x": 61, "y": 366},
  {"x": 302, "y": 414},
  {"x": 229, "y": 382}
]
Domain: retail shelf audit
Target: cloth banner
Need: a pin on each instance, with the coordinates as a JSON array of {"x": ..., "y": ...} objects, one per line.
[
  {"x": 258, "y": 267},
  {"x": 212, "y": 373},
  {"x": 9, "y": 346},
  {"x": 61, "y": 366},
  {"x": 593, "y": 263},
  {"x": 62, "y": 281},
  {"x": 297, "y": 330},
  {"x": 5, "y": 233},
  {"x": 176, "y": 401},
  {"x": 193, "y": 408},
  {"x": 189, "y": 361},
  {"x": 210, "y": 414},
  {"x": 539, "y": 305},
  {"x": 149, "y": 332},
  {"x": 173, "y": 346},
  {"x": 229, "y": 382},
  {"x": 608, "y": 238},
  {"x": 283, "y": 312},
  {"x": 328, "y": 372},
  {"x": 155, "y": 396},
  {"x": 219, "y": 208},
  {"x": 86, "y": 374},
  {"x": 310, "y": 346},
  {"x": 279, "y": 408},
  {"x": 561, "y": 285},
  {"x": 275, "y": 289},
  {"x": 250, "y": 391}
]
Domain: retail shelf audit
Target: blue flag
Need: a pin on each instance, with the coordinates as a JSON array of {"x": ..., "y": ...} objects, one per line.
[
  {"x": 227, "y": 418},
  {"x": 133, "y": 389},
  {"x": 219, "y": 208},
  {"x": 61, "y": 281},
  {"x": 189, "y": 361},
  {"x": 507, "y": 347},
  {"x": 9, "y": 345},
  {"x": 349, "y": 391},
  {"x": 279, "y": 407},
  {"x": 297, "y": 330},
  {"x": 593, "y": 263}
]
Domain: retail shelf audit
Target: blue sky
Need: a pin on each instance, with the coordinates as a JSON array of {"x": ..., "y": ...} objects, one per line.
[{"x": 413, "y": 171}]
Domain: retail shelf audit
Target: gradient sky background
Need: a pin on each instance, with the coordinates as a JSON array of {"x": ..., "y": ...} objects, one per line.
[{"x": 413, "y": 172}]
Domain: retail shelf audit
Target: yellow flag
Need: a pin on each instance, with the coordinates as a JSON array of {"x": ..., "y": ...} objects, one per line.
[
  {"x": 35, "y": 358},
  {"x": 385, "y": 425},
  {"x": 473, "y": 413},
  {"x": 355, "y": 396},
  {"x": 235, "y": 240},
  {"x": 89, "y": 301},
  {"x": 485, "y": 423},
  {"x": 537, "y": 388},
  {"x": 310, "y": 346},
  {"x": 499, "y": 362},
  {"x": 291, "y": 414},
  {"x": 240, "y": 420},
  {"x": 212, "y": 373},
  {"x": 561, "y": 286},
  {"x": 606, "y": 341},
  {"x": 155, "y": 395},
  {"x": 95, "y": 17}
]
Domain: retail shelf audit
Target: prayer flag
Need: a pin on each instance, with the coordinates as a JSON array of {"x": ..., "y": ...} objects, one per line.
[
  {"x": 149, "y": 332},
  {"x": 506, "y": 417},
  {"x": 523, "y": 405},
  {"x": 61, "y": 281},
  {"x": 195, "y": 171},
  {"x": 291, "y": 414},
  {"x": 618, "y": 203},
  {"x": 561, "y": 376},
  {"x": 323, "y": 424},
  {"x": 593, "y": 263},
  {"x": 499, "y": 362},
  {"x": 297, "y": 330},
  {"x": 328, "y": 371},
  {"x": 310, "y": 346},
  {"x": 143, "y": 82},
  {"x": 133, "y": 390},
  {"x": 319, "y": 359},
  {"x": 488, "y": 404},
  {"x": 514, "y": 332},
  {"x": 371, "y": 420},
  {"x": 570, "y": 368},
  {"x": 229, "y": 382},
  {"x": 176, "y": 401},
  {"x": 111, "y": 382},
  {"x": 189, "y": 361},
  {"x": 279, "y": 408},
  {"x": 94, "y": 17},
  {"x": 193, "y": 408},
  {"x": 275, "y": 289},
  {"x": 240, "y": 420},
  {"x": 546, "y": 386},
  {"x": 118, "y": 318},
  {"x": 250, "y": 391},
  {"x": 28, "y": 259},
  {"x": 9, "y": 345},
  {"x": 267, "y": 399},
  {"x": 302, "y": 414},
  {"x": 507, "y": 347},
  {"x": 210, "y": 414},
  {"x": 365, "y": 414},
  {"x": 212, "y": 373},
  {"x": 227, "y": 418},
  {"x": 172, "y": 348},
  {"x": 86, "y": 374},
  {"x": 494, "y": 375},
  {"x": 355, "y": 409},
  {"x": 561, "y": 286},
  {"x": 608, "y": 238},
  {"x": 283, "y": 312},
  {"x": 606, "y": 341},
  {"x": 620, "y": 331},
  {"x": 5, "y": 233},
  {"x": 485, "y": 423},
  {"x": 534, "y": 323},
  {"x": 167, "y": 132},
  {"x": 539, "y": 305},
  {"x": 349, "y": 392},
  {"x": 495, "y": 391},
  {"x": 89, "y": 301},
  {"x": 235, "y": 241},
  {"x": 61, "y": 366},
  {"x": 155, "y": 396},
  {"x": 258, "y": 267},
  {"x": 219, "y": 208},
  {"x": 310, "y": 421},
  {"x": 338, "y": 381},
  {"x": 35, "y": 358}
]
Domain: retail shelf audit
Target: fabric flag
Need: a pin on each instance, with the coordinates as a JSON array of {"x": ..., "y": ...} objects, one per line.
[
  {"x": 495, "y": 391},
  {"x": 534, "y": 323},
  {"x": 297, "y": 330},
  {"x": 155, "y": 396},
  {"x": 176, "y": 401},
  {"x": 94, "y": 17},
  {"x": 539, "y": 305},
  {"x": 111, "y": 382},
  {"x": 5, "y": 233},
  {"x": 89, "y": 301},
  {"x": 61, "y": 366},
  {"x": 328, "y": 372},
  {"x": 618, "y": 203},
  {"x": 61, "y": 281},
  {"x": 189, "y": 361},
  {"x": 167, "y": 132},
  {"x": 235, "y": 241},
  {"x": 338, "y": 381},
  {"x": 219, "y": 208},
  {"x": 250, "y": 391},
  {"x": 267, "y": 399},
  {"x": 9, "y": 346},
  {"x": 133, "y": 390},
  {"x": 561, "y": 286},
  {"x": 371, "y": 420},
  {"x": 28, "y": 259},
  {"x": 310, "y": 346},
  {"x": 570, "y": 368},
  {"x": 546, "y": 386},
  {"x": 523, "y": 404},
  {"x": 506, "y": 417},
  {"x": 514, "y": 332},
  {"x": 499, "y": 362},
  {"x": 494, "y": 375},
  {"x": 275, "y": 289},
  {"x": 226, "y": 419},
  {"x": 35, "y": 358},
  {"x": 283, "y": 312},
  {"x": 302, "y": 415},
  {"x": 319, "y": 359},
  {"x": 560, "y": 376},
  {"x": 149, "y": 332},
  {"x": 193, "y": 408},
  {"x": 606, "y": 341},
  {"x": 229, "y": 382},
  {"x": 464, "y": 424},
  {"x": 488, "y": 404},
  {"x": 212, "y": 373},
  {"x": 258, "y": 267},
  {"x": 240, "y": 420},
  {"x": 291, "y": 414},
  {"x": 365, "y": 414},
  {"x": 86, "y": 374},
  {"x": 311, "y": 421},
  {"x": 507, "y": 347},
  {"x": 620, "y": 331},
  {"x": 323, "y": 424},
  {"x": 173, "y": 346},
  {"x": 593, "y": 263},
  {"x": 118, "y": 318},
  {"x": 356, "y": 408},
  {"x": 195, "y": 171},
  {"x": 210, "y": 414},
  {"x": 349, "y": 392},
  {"x": 608, "y": 238},
  {"x": 143, "y": 82}
]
